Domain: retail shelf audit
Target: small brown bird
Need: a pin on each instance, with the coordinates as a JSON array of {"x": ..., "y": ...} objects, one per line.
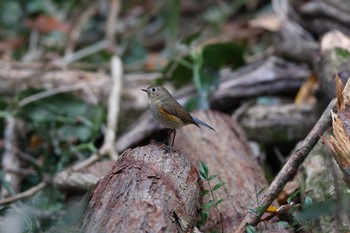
[{"x": 168, "y": 112}]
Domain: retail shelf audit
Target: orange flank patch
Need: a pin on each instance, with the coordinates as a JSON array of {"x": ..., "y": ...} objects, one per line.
[{"x": 169, "y": 116}]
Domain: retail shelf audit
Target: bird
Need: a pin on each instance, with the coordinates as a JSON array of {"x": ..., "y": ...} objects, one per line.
[{"x": 168, "y": 112}]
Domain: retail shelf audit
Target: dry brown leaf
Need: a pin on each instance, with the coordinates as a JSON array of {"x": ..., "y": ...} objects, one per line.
[
  {"x": 339, "y": 88},
  {"x": 307, "y": 91},
  {"x": 268, "y": 22},
  {"x": 288, "y": 190},
  {"x": 46, "y": 24}
]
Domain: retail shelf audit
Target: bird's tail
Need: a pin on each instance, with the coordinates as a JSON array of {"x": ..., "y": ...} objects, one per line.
[{"x": 199, "y": 122}]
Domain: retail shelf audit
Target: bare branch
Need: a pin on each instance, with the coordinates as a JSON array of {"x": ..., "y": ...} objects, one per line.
[
  {"x": 114, "y": 8},
  {"x": 28, "y": 193},
  {"x": 112, "y": 118},
  {"x": 290, "y": 168}
]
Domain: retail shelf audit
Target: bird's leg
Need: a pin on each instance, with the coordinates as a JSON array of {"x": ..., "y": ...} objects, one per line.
[
  {"x": 172, "y": 144},
  {"x": 168, "y": 135},
  {"x": 169, "y": 148}
]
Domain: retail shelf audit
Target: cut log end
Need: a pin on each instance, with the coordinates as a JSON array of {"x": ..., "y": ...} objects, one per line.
[{"x": 149, "y": 189}]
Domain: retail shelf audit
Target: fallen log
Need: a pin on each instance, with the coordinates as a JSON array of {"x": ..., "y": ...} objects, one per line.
[{"x": 228, "y": 155}]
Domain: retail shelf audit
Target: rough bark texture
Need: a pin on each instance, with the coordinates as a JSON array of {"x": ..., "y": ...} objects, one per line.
[
  {"x": 150, "y": 189},
  {"x": 227, "y": 154}
]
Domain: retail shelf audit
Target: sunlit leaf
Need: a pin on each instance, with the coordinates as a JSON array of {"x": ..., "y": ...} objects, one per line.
[
  {"x": 293, "y": 195},
  {"x": 203, "y": 170},
  {"x": 283, "y": 224},
  {"x": 217, "y": 186},
  {"x": 204, "y": 215},
  {"x": 250, "y": 229},
  {"x": 205, "y": 192},
  {"x": 308, "y": 201},
  {"x": 208, "y": 205},
  {"x": 219, "y": 201},
  {"x": 260, "y": 210}
]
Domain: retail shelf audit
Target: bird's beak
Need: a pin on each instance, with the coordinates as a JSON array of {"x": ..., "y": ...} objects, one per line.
[{"x": 145, "y": 90}]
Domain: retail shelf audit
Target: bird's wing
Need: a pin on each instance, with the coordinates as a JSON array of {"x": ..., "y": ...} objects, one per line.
[{"x": 177, "y": 110}]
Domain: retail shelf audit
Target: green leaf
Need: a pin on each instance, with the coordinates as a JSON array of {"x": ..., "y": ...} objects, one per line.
[
  {"x": 342, "y": 53},
  {"x": 204, "y": 215},
  {"x": 212, "y": 177},
  {"x": 261, "y": 190},
  {"x": 207, "y": 205},
  {"x": 217, "y": 186},
  {"x": 308, "y": 201},
  {"x": 219, "y": 201},
  {"x": 189, "y": 39},
  {"x": 72, "y": 132},
  {"x": 283, "y": 224},
  {"x": 205, "y": 192},
  {"x": 216, "y": 56},
  {"x": 250, "y": 229},
  {"x": 260, "y": 210},
  {"x": 251, "y": 211},
  {"x": 320, "y": 209},
  {"x": 203, "y": 170},
  {"x": 4, "y": 114},
  {"x": 293, "y": 195}
]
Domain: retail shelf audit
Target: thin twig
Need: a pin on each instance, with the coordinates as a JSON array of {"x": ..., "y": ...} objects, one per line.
[
  {"x": 114, "y": 7},
  {"x": 290, "y": 168},
  {"x": 216, "y": 208},
  {"x": 113, "y": 107},
  {"x": 112, "y": 117},
  {"x": 87, "y": 51},
  {"x": 58, "y": 90},
  {"x": 76, "y": 30},
  {"x": 28, "y": 193}
]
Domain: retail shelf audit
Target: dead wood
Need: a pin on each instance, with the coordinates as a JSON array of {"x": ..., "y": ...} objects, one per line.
[
  {"x": 339, "y": 144},
  {"x": 278, "y": 124},
  {"x": 271, "y": 76},
  {"x": 227, "y": 154},
  {"x": 334, "y": 47},
  {"x": 296, "y": 48},
  {"x": 320, "y": 17},
  {"x": 16, "y": 77},
  {"x": 290, "y": 168},
  {"x": 150, "y": 189}
]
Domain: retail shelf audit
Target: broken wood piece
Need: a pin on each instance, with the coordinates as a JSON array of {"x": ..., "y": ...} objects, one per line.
[{"x": 339, "y": 144}]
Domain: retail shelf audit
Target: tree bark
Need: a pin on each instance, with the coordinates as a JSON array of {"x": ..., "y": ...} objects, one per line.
[
  {"x": 227, "y": 154},
  {"x": 150, "y": 189}
]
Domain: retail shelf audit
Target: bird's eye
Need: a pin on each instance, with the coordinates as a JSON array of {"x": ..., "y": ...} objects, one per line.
[{"x": 153, "y": 89}]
